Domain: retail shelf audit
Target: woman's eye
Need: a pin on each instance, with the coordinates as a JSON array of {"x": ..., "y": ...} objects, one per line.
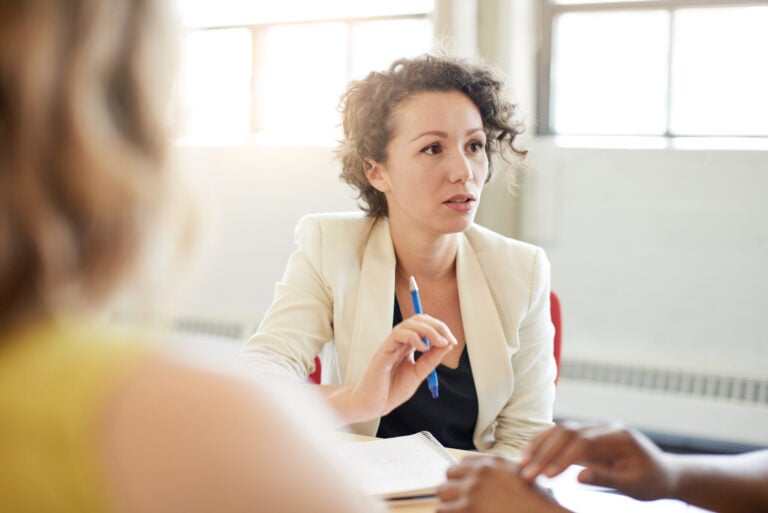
[
  {"x": 476, "y": 146},
  {"x": 432, "y": 149}
]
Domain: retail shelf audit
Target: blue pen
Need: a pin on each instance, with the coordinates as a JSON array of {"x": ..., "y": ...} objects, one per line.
[{"x": 432, "y": 378}]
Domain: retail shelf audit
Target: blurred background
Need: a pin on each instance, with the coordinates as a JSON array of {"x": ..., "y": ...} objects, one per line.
[{"x": 647, "y": 180}]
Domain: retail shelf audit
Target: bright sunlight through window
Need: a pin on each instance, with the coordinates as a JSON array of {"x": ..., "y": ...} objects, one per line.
[
  {"x": 274, "y": 72},
  {"x": 720, "y": 79},
  {"x": 609, "y": 73},
  {"x": 667, "y": 71},
  {"x": 215, "y": 96}
]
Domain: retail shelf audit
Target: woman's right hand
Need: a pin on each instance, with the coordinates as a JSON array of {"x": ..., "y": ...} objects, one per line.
[
  {"x": 614, "y": 456},
  {"x": 393, "y": 375}
]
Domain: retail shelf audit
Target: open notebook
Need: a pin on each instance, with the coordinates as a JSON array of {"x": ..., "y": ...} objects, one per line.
[{"x": 397, "y": 468}]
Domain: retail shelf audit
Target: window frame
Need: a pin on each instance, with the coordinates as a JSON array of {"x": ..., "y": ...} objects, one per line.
[
  {"x": 258, "y": 31},
  {"x": 550, "y": 10}
]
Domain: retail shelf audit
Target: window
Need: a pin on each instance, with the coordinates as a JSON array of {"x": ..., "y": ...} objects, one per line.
[
  {"x": 275, "y": 72},
  {"x": 215, "y": 89},
  {"x": 655, "y": 67}
]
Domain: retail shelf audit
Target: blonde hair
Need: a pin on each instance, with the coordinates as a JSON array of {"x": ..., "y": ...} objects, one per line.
[{"x": 83, "y": 92}]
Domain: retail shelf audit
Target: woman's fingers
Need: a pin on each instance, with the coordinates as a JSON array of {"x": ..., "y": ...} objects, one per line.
[
  {"x": 572, "y": 443},
  {"x": 426, "y": 326},
  {"x": 429, "y": 360},
  {"x": 532, "y": 448},
  {"x": 439, "y": 335},
  {"x": 394, "y": 374},
  {"x": 545, "y": 454},
  {"x": 458, "y": 471},
  {"x": 408, "y": 336}
]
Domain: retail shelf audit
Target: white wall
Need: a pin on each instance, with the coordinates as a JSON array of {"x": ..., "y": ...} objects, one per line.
[
  {"x": 252, "y": 199},
  {"x": 660, "y": 258}
]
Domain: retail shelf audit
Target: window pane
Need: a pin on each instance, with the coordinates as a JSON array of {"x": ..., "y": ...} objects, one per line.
[
  {"x": 302, "y": 75},
  {"x": 214, "y": 94},
  {"x": 577, "y": 2},
  {"x": 720, "y": 72},
  {"x": 199, "y": 13},
  {"x": 609, "y": 73},
  {"x": 404, "y": 38}
]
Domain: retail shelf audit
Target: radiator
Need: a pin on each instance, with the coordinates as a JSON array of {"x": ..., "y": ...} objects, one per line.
[
  {"x": 223, "y": 329},
  {"x": 717, "y": 407},
  {"x": 711, "y": 406},
  {"x": 207, "y": 342}
]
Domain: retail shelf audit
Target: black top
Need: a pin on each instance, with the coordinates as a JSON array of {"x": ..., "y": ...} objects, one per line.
[{"x": 451, "y": 418}]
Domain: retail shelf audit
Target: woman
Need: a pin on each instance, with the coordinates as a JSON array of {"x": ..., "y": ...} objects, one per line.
[
  {"x": 418, "y": 142},
  {"x": 90, "y": 421}
]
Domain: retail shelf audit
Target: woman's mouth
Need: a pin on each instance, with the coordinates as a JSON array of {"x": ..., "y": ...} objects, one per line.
[{"x": 460, "y": 203}]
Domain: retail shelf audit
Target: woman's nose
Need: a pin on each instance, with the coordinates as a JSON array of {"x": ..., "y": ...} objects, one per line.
[{"x": 461, "y": 169}]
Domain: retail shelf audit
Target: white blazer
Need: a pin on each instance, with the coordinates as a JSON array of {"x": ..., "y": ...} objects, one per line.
[{"x": 337, "y": 295}]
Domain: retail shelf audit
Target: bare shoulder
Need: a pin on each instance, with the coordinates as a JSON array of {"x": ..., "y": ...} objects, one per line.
[{"x": 177, "y": 438}]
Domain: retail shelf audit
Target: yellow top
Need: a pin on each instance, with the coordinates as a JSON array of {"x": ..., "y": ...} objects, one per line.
[{"x": 55, "y": 380}]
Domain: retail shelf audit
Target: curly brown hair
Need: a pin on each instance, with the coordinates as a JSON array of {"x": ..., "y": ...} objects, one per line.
[{"x": 368, "y": 104}]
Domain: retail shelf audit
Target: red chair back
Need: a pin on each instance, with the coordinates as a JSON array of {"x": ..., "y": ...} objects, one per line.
[
  {"x": 554, "y": 310},
  {"x": 315, "y": 376}
]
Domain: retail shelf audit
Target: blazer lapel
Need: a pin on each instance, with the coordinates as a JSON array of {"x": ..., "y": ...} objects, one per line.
[
  {"x": 375, "y": 301},
  {"x": 373, "y": 311},
  {"x": 485, "y": 338}
]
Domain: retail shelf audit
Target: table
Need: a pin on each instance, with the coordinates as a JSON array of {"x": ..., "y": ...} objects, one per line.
[
  {"x": 582, "y": 501},
  {"x": 577, "y": 497}
]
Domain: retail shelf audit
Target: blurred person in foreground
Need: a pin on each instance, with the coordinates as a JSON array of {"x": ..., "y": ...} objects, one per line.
[
  {"x": 91, "y": 420},
  {"x": 613, "y": 456}
]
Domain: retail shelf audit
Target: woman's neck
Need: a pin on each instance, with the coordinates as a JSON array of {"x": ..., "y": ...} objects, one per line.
[{"x": 426, "y": 258}]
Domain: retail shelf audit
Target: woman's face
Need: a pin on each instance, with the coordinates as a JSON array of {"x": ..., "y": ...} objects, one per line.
[{"x": 436, "y": 163}]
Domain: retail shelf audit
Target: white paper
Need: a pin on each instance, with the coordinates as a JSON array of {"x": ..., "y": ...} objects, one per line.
[{"x": 402, "y": 466}]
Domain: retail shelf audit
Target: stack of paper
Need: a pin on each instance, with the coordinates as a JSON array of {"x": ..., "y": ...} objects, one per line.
[{"x": 400, "y": 467}]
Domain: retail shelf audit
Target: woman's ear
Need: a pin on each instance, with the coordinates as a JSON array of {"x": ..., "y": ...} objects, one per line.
[{"x": 377, "y": 175}]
